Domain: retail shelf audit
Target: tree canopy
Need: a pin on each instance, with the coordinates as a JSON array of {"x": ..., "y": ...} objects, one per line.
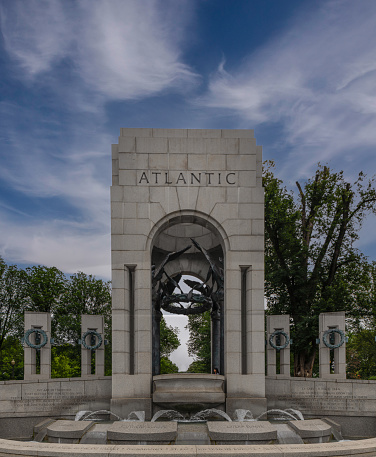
[
  {"x": 311, "y": 264},
  {"x": 199, "y": 326},
  {"x": 169, "y": 341},
  {"x": 47, "y": 289},
  {"x": 13, "y": 301}
]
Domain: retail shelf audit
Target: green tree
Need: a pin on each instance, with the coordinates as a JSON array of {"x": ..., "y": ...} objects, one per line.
[
  {"x": 169, "y": 341},
  {"x": 361, "y": 347},
  {"x": 45, "y": 287},
  {"x": 12, "y": 358},
  {"x": 13, "y": 300},
  {"x": 199, "y": 346},
  {"x": 167, "y": 366},
  {"x": 361, "y": 354},
  {"x": 83, "y": 294},
  {"x": 65, "y": 361},
  {"x": 311, "y": 265}
]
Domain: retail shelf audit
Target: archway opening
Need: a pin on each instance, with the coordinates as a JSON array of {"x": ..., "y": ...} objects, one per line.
[
  {"x": 194, "y": 333},
  {"x": 179, "y": 251}
]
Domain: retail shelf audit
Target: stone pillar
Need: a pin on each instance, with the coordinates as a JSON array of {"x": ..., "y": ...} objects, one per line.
[
  {"x": 327, "y": 322},
  {"x": 92, "y": 322},
  {"x": 278, "y": 323},
  {"x": 40, "y": 321}
]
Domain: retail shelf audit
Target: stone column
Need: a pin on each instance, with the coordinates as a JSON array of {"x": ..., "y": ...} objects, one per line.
[
  {"x": 255, "y": 332},
  {"x": 143, "y": 322},
  {"x": 332, "y": 321},
  {"x": 132, "y": 330},
  {"x": 122, "y": 318},
  {"x": 216, "y": 341},
  {"x": 92, "y": 322},
  {"x": 278, "y": 323},
  {"x": 157, "y": 316},
  {"x": 245, "y": 334},
  {"x": 41, "y": 321}
]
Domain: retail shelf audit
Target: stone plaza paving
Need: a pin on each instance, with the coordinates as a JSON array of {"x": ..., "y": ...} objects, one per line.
[
  {"x": 344, "y": 448},
  {"x": 149, "y": 437}
]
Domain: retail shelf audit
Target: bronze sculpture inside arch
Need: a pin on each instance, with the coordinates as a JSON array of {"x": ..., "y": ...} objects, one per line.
[{"x": 202, "y": 296}]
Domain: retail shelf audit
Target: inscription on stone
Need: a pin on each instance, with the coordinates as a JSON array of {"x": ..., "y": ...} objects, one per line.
[
  {"x": 44, "y": 393},
  {"x": 340, "y": 403},
  {"x": 185, "y": 178}
]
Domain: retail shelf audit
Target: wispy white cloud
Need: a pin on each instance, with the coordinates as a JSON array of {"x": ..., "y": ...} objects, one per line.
[
  {"x": 119, "y": 49},
  {"x": 138, "y": 51},
  {"x": 72, "y": 58},
  {"x": 318, "y": 79},
  {"x": 69, "y": 247},
  {"x": 36, "y": 33},
  {"x": 41, "y": 162},
  {"x": 65, "y": 176}
]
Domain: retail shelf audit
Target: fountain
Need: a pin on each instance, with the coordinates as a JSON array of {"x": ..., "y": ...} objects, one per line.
[
  {"x": 240, "y": 415},
  {"x": 198, "y": 429}
]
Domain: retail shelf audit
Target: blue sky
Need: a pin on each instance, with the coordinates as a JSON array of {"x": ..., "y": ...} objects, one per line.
[{"x": 301, "y": 73}]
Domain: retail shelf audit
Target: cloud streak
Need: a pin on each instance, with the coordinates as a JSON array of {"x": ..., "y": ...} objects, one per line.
[
  {"x": 69, "y": 247},
  {"x": 71, "y": 58},
  {"x": 120, "y": 49},
  {"x": 317, "y": 78}
]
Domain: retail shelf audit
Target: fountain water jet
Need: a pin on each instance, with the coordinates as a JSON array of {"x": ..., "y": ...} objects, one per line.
[
  {"x": 139, "y": 416},
  {"x": 202, "y": 415},
  {"x": 243, "y": 415},
  {"x": 82, "y": 417},
  {"x": 169, "y": 413},
  {"x": 296, "y": 413},
  {"x": 80, "y": 414},
  {"x": 284, "y": 413}
]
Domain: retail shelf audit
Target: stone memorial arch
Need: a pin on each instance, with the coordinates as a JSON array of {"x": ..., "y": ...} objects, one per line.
[{"x": 187, "y": 202}]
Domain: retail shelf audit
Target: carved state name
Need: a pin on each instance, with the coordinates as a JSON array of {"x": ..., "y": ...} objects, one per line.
[{"x": 203, "y": 178}]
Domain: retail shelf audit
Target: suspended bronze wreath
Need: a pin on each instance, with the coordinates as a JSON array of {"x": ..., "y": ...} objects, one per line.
[
  {"x": 207, "y": 298},
  {"x": 197, "y": 304}
]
